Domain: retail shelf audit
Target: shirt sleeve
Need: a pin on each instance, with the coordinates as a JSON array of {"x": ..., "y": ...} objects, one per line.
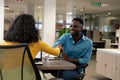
[
  {"x": 48, "y": 49},
  {"x": 85, "y": 59},
  {"x": 61, "y": 41}
]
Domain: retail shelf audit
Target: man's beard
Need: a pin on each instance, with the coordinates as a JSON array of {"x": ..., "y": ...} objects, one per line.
[{"x": 75, "y": 34}]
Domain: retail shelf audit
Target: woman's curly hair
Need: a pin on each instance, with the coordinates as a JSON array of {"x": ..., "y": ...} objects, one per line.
[{"x": 23, "y": 30}]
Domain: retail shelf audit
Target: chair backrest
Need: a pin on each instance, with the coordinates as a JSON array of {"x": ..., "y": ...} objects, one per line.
[
  {"x": 99, "y": 44},
  {"x": 16, "y": 63}
]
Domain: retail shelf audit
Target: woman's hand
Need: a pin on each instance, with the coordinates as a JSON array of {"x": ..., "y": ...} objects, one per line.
[{"x": 60, "y": 47}]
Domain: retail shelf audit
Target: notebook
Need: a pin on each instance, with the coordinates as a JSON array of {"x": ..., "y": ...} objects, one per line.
[{"x": 38, "y": 58}]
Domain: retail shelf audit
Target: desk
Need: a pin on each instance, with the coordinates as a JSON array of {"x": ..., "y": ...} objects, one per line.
[
  {"x": 114, "y": 45},
  {"x": 99, "y": 44},
  {"x": 56, "y": 65}
]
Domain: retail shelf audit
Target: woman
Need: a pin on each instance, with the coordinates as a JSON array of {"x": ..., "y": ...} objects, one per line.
[{"x": 23, "y": 30}]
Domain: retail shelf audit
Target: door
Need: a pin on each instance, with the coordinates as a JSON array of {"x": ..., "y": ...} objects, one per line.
[
  {"x": 110, "y": 63},
  {"x": 101, "y": 63},
  {"x": 117, "y": 68}
]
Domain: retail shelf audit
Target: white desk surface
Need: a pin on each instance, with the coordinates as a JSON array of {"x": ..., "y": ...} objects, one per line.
[{"x": 109, "y": 51}]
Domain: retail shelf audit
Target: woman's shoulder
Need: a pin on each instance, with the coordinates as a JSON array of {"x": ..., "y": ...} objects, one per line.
[
  {"x": 7, "y": 43},
  {"x": 39, "y": 42}
]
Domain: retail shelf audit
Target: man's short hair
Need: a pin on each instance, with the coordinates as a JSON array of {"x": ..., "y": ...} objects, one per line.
[{"x": 78, "y": 19}]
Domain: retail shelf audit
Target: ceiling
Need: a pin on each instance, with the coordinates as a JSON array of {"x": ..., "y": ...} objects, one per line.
[{"x": 77, "y": 7}]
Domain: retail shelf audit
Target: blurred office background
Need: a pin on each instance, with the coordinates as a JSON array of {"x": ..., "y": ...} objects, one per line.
[{"x": 101, "y": 15}]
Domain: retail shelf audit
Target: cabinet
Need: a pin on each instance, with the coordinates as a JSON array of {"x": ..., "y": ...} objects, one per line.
[
  {"x": 117, "y": 69},
  {"x": 94, "y": 35},
  {"x": 108, "y": 63}
]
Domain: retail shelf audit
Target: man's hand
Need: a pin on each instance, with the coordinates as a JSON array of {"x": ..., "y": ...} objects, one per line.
[{"x": 65, "y": 57}]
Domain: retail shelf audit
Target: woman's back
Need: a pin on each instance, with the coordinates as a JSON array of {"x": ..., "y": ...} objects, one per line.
[{"x": 23, "y": 30}]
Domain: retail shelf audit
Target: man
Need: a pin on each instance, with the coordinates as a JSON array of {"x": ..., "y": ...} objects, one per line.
[{"x": 77, "y": 48}]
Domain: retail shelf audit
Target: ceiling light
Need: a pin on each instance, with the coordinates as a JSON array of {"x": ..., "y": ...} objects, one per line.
[
  {"x": 97, "y": 15},
  {"x": 81, "y": 9},
  {"x": 39, "y": 7},
  {"x": 104, "y": 5},
  {"x": 69, "y": 13},
  {"x": 108, "y": 13}
]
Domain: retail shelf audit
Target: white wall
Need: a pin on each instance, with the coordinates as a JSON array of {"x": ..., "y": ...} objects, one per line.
[{"x": 1, "y": 19}]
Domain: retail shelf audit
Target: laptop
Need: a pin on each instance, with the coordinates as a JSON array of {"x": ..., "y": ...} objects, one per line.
[{"x": 38, "y": 58}]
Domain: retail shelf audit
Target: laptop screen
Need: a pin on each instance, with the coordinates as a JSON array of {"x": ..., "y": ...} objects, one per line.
[{"x": 38, "y": 57}]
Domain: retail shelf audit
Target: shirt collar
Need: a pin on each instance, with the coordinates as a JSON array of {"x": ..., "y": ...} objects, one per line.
[{"x": 83, "y": 36}]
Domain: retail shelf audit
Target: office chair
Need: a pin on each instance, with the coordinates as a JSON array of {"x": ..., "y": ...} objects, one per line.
[
  {"x": 98, "y": 45},
  {"x": 82, "y": 74},
  {"x": 16, "y": 63}
]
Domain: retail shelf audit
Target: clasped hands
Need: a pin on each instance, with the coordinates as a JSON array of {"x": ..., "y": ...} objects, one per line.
[{"x": 65, "y": 56}]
